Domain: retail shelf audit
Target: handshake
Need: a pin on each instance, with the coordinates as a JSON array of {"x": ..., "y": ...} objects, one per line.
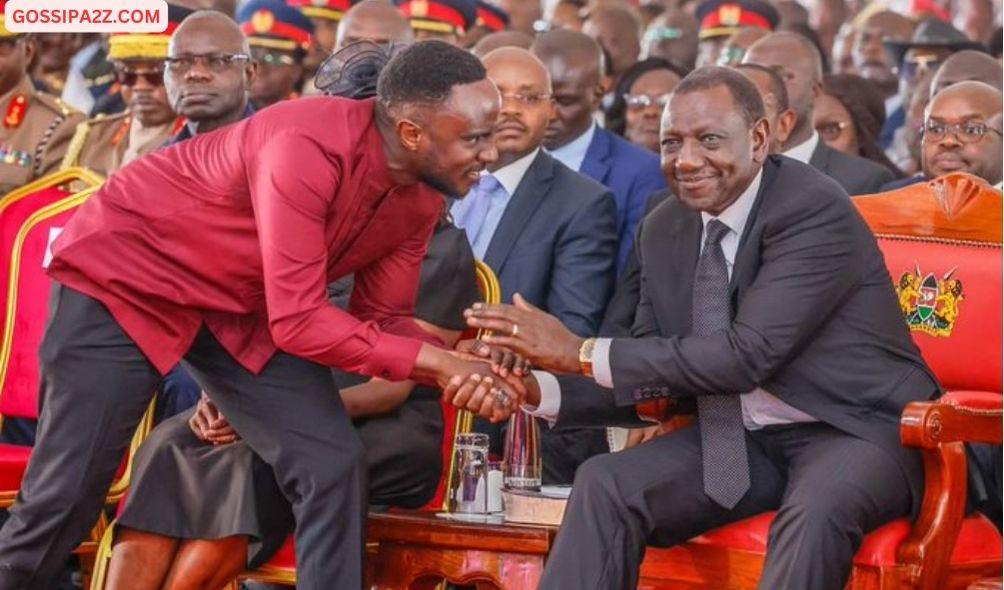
[{"x": 491, "y": 377}]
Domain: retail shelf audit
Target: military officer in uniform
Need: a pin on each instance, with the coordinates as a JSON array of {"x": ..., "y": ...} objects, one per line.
[
  {"x": 36, "y": 127},
  {"x": 106, "y": 143},
  {"x": 326, "y": 16},
  {"x": 446, "y": 20},
  {"x": 279, "y": 37}
]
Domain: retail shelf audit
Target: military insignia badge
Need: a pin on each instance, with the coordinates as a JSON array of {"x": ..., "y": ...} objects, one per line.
[
  {"x": 730, "y": 14},
  {"x": 16, "y": 109},
  {"x": 930, "y": 305},
  {"x": 263, "y": 21},
  {"x": 419, "y": 8}
]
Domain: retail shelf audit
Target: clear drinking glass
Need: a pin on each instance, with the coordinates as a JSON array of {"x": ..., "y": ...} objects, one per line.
[
  {"x": 522, "y": 453},
  {"x": 470, "y": 472}
]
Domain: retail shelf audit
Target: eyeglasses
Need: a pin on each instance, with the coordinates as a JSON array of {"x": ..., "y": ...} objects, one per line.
[
  {"x": 643, "y": 101},
  {"x": 7, "y": 44},
  {"x": 968, "y": 132},
  {"x": 274, "y": 59},
  {"x": 527, "y": 98},
  {"x": 129, "y": 77},
  {"x": 831, "y": 129},
  {"x": 214, "y": 62}
]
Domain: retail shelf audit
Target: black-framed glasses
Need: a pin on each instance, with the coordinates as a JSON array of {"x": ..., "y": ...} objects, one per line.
[
  {"x": 527, "y": 98},
  {"x": 968, "y": 132},
  {"x": 830, "y": 130},
  {"x": 129, "y": 76},
  {"x": 643, "y": 101},
  {"x": 214, "y": 62}
]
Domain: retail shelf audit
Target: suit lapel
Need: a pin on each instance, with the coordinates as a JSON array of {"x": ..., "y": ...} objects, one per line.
[
  {"x": 747, "y": 255},
  {"x": 671, "y": 269},
  {"x": 596, "y": 165},
  {"x": 820, "y": 159},
  {"x": 530, "y": 193}
]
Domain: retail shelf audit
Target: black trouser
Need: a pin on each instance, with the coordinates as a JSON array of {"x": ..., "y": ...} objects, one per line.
[
  {"x": 95, "y": 386},
  {"x": 829, "y": 489}
]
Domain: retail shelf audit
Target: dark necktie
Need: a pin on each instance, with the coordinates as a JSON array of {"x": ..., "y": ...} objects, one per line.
[{"x": 723, "y": 436}]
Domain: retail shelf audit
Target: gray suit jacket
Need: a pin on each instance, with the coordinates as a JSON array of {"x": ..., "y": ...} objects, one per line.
[
  {"x": 816, "y": 321},
  {"x": 556, "y": 244},
  {"x": 858, "y": 176}
]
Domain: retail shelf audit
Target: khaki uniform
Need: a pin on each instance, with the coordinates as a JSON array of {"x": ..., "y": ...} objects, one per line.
[
  {"x": 34, "y": 134},
  {"x": 102, "y": 144}
]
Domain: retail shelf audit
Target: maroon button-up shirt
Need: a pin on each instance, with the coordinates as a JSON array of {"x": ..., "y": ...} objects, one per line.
[{"x": 243, "y": 228}]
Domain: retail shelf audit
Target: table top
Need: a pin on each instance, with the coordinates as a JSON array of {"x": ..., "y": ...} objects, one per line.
[{"x": 430, "y": 529}]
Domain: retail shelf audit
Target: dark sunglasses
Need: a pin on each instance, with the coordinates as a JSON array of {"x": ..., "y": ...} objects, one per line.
[{"x": 130, "y": 77}]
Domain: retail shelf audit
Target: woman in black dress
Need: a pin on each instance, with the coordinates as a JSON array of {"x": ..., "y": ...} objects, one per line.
[{"x": 203, "y": 507}]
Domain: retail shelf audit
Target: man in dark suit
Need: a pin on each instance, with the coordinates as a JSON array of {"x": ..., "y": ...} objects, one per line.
[
  {"x": 575, "y": 63},
  {"x": 766, "y": 300},
  {"x": 548, "y": 232},
  {"x": 798, "y": 62}
]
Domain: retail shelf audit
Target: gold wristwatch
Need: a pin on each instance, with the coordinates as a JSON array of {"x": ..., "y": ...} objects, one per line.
[{"x": 586, "y": 357}]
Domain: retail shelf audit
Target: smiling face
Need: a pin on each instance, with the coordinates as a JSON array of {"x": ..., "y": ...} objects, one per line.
[
  {"x": 453, "y": 141},
  {"x": 710, "y": 153}
]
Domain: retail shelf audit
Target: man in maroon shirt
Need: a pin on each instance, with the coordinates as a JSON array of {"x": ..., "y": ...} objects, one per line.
[{"x": 216, "y": 252}]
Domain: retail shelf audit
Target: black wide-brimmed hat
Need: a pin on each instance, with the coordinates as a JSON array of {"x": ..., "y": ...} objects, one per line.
[{"x": 935, "y": 34}]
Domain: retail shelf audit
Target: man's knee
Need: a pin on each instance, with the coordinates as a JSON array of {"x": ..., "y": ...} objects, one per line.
[{"x": 842, "y": 512}]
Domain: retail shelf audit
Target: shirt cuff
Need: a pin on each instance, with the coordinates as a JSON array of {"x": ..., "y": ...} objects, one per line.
[
  {"x": 550, "y": 398},
  {"x": 601, "y": 363},
  {"x": 393, "y": 357}
]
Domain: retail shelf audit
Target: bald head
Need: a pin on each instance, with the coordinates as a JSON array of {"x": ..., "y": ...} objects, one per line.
[
  {"x": 575, "y": 62},
  {"x": 525, "y": 86},
  {"x": 373, "y": 20},
  {"x": 799, "y": 64},
  {"x": 967, "y": 65},
  {"x": 214, "y": 93},
  {"x": 738, "y": 43},
  {"x": 618, "y": 30},
  {"x": 493, "y": 41},
  {"x": 208, "y": 31},
  {"x": 949, "y": 145}
]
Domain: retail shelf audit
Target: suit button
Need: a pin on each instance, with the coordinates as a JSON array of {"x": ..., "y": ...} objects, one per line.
[{"x": 638, "y": 394}]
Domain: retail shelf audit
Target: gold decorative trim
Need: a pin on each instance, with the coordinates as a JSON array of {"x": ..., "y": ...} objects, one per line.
[{"x": 938, "y": 240}]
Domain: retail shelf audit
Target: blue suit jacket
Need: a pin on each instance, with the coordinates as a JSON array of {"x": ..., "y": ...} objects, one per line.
[
  {"x": 555, "y": 244},
  {"x": 633, "y": 175}
]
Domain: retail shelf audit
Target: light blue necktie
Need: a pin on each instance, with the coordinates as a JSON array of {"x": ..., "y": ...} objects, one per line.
[{"x": 472, "y": 213}]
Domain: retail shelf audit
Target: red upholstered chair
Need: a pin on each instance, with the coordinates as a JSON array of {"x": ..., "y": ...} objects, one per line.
[
  {"x": 30, "y": 218},
  {"x": 281, "y": 569},
  {"x": 942, "y": 244}
]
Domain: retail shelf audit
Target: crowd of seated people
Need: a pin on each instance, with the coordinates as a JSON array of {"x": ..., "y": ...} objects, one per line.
[{"x": 873, "y": 95}]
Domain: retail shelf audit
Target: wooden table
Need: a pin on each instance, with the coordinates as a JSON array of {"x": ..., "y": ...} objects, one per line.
[{"x": 419, "y": 550}]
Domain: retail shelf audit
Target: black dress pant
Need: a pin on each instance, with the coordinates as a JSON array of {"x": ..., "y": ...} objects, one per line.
[
  {"x": 96, "y": 385},
  {"x": 829, "y": 488}
]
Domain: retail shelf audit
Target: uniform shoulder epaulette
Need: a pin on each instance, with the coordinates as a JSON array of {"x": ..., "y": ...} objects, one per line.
[{"x": 54, "y": 103}]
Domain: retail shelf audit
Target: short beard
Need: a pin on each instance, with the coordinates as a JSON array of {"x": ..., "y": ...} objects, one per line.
[{"x": 440, "y": 185}]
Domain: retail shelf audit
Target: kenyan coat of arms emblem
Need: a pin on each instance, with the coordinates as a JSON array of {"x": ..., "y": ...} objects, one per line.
[{"x": 930, "y": 304}]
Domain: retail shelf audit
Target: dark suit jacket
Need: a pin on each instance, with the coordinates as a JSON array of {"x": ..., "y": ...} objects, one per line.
[
  {"x": 555, "y": 244},
  {"x": 816, "y": 320},
  {"x": 858, "y": 176},
  {"x": 632, "y": 173}
]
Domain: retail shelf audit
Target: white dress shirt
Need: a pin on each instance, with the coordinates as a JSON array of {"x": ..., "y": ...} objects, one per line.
[
  {"x": 803, "y": 151},
  {"x": 509, "y": 176},
  {"x": 573, "y": 153},
  {"x": 760, "y": 408}
]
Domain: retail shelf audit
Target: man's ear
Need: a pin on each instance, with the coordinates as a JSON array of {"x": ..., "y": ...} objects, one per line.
[
  {"x": 410, "y": 134},
  {"x": 251, "y": 72},
  {"x": 761, "y": 140},
  {"x": 785, "y": 125},
  {"x": 817, "y": 89}
]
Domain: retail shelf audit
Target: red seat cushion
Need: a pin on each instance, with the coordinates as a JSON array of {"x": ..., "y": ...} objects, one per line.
[
  {"x": 978, "y": 541},
  {"x": 13, "y": 462},
  {"x": 285, "y": 559}
]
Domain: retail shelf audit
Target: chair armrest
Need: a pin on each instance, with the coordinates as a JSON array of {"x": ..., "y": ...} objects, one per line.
[
  {"x": 966, "y": 416},
  {"x": 939, "y": 428}
]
